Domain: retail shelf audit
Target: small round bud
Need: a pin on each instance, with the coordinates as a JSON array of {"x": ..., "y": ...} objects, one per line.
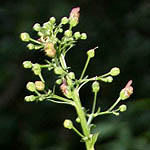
[
  {"x": 71, "y": 75},
  {"x": 115, "y": 71},
  {"x": 91, "y": 53},
  {"x": 25, "y": 37},
  {"x": 95, "y": 87},
  {"x": 109, "y": 79},
  {"x": 31, "y": 86},
  {"x": 60, "y": 30},
  {"x": 83, "y": 36},
  {"x": 58, "y": 70},
  {"x": 39, "y": 85},
  {"x": 52, "y": 20},
  {"x": 68, "y": 124},
  {"x": 37, "y": 27},
  {"x": 30, "y": 98},
  {"x": 30, "y": 46},
  {"x": 59, "y": 81},
  {"x": 64, "y": 20},
  {"x": 68, "y": 33},
  {"x": 40, "y": 34},
  {"x": 78, "y": 120},
  {"x": 36, "y": 69},
  {"x": 77, "y": 35},
  {"x": 123, "y": 108},
  {"x": 27, "y": 64}
]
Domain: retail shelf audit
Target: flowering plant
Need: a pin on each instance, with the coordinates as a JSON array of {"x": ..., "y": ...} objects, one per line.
[{"x": 55, "y": 49}]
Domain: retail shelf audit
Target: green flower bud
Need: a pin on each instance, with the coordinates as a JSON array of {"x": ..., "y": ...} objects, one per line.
[
  {"x": 27, "y": 64},
  {"x": 30, "y": 46},
  {"x": 52, "y": 20},
  {"x": 59, "y": 81},
  {"x": 37, "y": 27},
  {"x": 83, "y": 36},
  {"x": 95, "y": 87},
  {"x": 73, "y": 22},
  {"x": 68, "y": 124},
  {"x": 64, "y": 20},
  {"x": 115, "y": 71},
  {"x": 77, "y": 35},
  {"x": 40, "y": 86},
  {"x": 123, "y": 108},
  {"x": 30, "y": 98},
  {"x": 91, "y": 53},
  {"x": 31, "y": 86},
  {"x": 78, "y": 120},
  {"x": 109, "y": 79},
  {"x": 60, "y": 30},
  {"x": 58, "y": 70},
  {"x": 36, "y": 69},
  {"x": 40, "y": 34},
  {"x": 25, "y": 37},
  {"x": 71, "y": 75},
  {"x": 68, "y": 33}
]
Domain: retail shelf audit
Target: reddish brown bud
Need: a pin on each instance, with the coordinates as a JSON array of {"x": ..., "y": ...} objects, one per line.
[
  {"x": 50, "y": 50},
  {"x": 75, "y": 13}
]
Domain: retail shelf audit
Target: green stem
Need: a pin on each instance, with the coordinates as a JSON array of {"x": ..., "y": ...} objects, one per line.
[
  {"x": 112, "y": 107},
  {"x": 85, "y": 67},
  {"x": 78, "y": 132},
  {"x": 35, "y": 41},
  {"x": 63, "y": 62}
]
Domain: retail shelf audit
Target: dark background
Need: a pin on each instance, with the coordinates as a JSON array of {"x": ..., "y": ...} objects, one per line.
[{"x": 121, "y": 29}]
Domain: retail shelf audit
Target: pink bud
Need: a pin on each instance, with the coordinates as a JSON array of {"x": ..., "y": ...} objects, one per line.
[
  {"x": 75, "y": 13},
  {"x": 127, "y": 91}
]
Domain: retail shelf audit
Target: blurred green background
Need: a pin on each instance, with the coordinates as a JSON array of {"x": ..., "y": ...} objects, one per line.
[{"x": 121, "y": 29}]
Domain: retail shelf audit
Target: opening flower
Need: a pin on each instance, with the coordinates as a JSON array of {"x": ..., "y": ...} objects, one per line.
[{"x": 127, "y": 91}]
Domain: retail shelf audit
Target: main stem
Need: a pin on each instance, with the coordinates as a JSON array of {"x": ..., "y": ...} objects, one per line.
[{"x": 83, "y": 121}]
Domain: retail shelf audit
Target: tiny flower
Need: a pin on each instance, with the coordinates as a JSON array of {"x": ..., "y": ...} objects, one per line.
[
  {"x": 77, "y": 35},
  {"x": 115, "y": 71},
  {"x": 25, "y": 37},
  {"x": 52, "y": 20},
  {"x": 50, "y": 50},
  {"x": 123, "y": 108},
  {"x": 39, "y": 85},
  {"x": 27, "y": 64},
  {"x": 31, "y": 86},
  {"x": 30, "y": 98},
  {"x": 68, "y": 33},
  {"x": 37, "y": 27},
  {"x": 95, "y": 87},
  {"x": 91, "y": 52},
  {"x": 68, "y": 124},
  {"x": 74, "y": 16},
  {"x": 30, "y": 46},
  {"x": 64, "y": 20},
  {"x": 83, "y": 36},
  {"x": 127, "y": 91},
  {"x": 36, "y": 69}
]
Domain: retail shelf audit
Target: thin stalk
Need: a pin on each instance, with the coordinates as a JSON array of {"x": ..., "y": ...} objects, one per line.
[
  {"x": 41, "y": 77},
  {"x": 35, "y": 41},
  {"x": 113, "y": 106},
  {"x": 63, "y": 62},
  {"x": 78, "y": 132},
  {"x": 85, "y": 67}
]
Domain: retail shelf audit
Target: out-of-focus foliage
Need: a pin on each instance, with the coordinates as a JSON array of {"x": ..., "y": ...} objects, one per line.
[{"x": 121, "y": 29}]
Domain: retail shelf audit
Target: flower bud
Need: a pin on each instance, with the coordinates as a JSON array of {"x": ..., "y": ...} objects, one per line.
[
  {"x": 71, "y": 75},
  {"x": 68, "y": 33},
  {"x": 36, "y": 69},
  {"x": 115, "y": 71},
  {"x": 77, "y": 35},
  {"x": 74, "y": 16},
  {"x": 68, "y": 124},
  {"x": 27, "y": 64},
  {"x": 64, "y": 20},
  {"x": 58, "y": 70},
  {"x": 39, "y": 85},
  {"x": 52, "y": 20},
  {"x": 83, "y": 36},
  {"x": 78, "y": 120},
  {"x": 108, "y": 79},
  {"x": 30, "y": 46},
  {"x": 123, "y": 108},
  {"x": 91, "y": 53},
  {"x": 31, "y": 86},
  {"x": 30, "y": 98},
  {"x": 37, "y": 27},
  {"x": 58, "y": 81},
  {"x": 95, "y": 87},
  {"x": 50, "y": 50},
  {"x": 25, "y": 37},
  {"x": 60, "y": 30},
  {"x": 127, "y": 91}
]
